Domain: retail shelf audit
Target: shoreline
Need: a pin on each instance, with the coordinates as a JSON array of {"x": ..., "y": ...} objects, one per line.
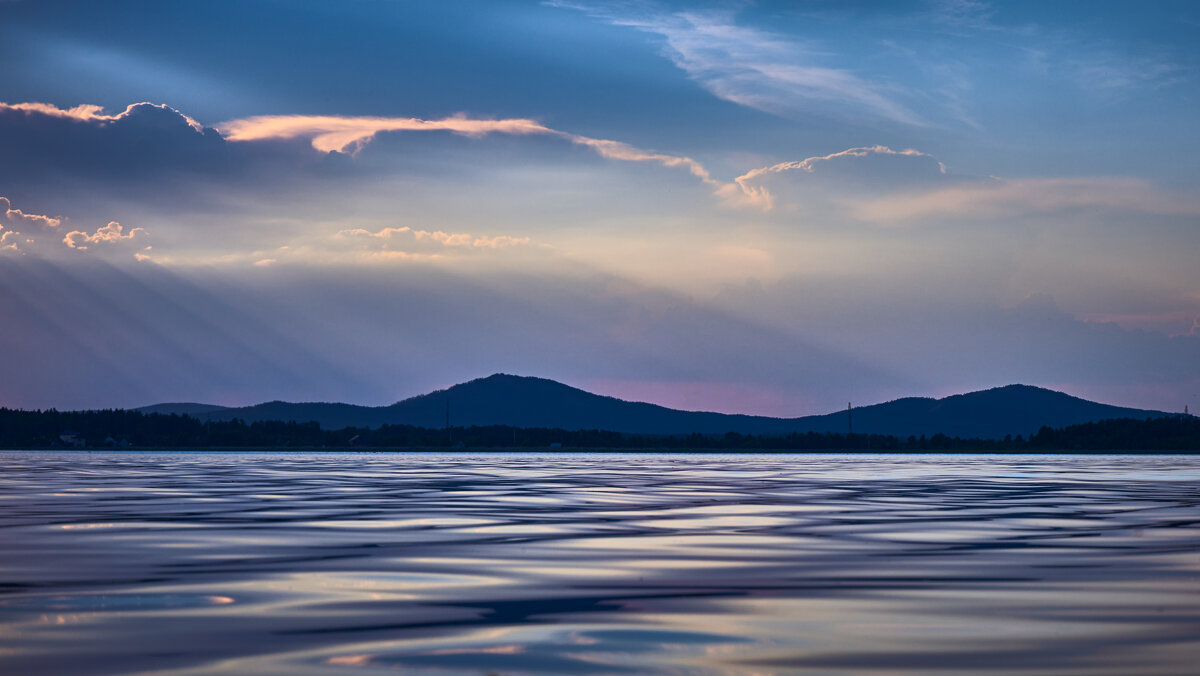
[{"x": 616, "y": 451}]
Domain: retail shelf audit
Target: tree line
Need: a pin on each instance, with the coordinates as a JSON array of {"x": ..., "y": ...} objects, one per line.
[{"x": 117, "y": 428}]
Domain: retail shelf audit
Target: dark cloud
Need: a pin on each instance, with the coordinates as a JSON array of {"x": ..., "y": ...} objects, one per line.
[
  {"x": 144, "y": 140},
  {"x": 151, "y": 154}
]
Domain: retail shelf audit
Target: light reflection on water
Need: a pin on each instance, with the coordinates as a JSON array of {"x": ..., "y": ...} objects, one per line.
[{"x": 598, "y": 564}]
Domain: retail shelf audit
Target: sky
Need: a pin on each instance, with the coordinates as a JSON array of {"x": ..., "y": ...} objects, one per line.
[{"x": 755, "y": 207}]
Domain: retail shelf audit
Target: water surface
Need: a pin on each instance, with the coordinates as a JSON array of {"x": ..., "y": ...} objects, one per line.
[{"x": 474, "y": 563}]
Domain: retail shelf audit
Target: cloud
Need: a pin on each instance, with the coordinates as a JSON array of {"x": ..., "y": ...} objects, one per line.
[
  {"x": 350, "y": 247},
  {"x": 147, "y": 153},
  {"x": 755, "y": 68},
  {"x": 1103, "y": 72},
  {"x": 409, "y": 243},
  {"x": 32, "y": 241},
  {"x": 1003, "y": 198},
  {"x": 156, "y": 141},
  {"x": 1095, "y": 66},
  {"x": 616, "y": 150},
  {"x": 910, "y": 185},
  {"x": 14, "y": 215},
  {"x": 9, "y": 240},
  {"x": 810, "y": 163},
  {"x": 964, "y": 14},
  {"x": 112, "y": 233},
  {"x": 93, "y": 113},
  {"x": 744, "y": 192},
  {"x": 336, "y": 133},
  {"x": 151, "y": 142},
  {"x": 13, "y": 240},
  {"x": 326, "y": 133}
]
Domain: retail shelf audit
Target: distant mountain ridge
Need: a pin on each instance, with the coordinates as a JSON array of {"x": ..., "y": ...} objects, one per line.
[
  {"x": 522, "y": 401},
  {"x": 183, "y": 408}
]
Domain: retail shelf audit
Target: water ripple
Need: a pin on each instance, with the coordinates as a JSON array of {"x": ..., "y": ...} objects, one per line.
[{"x": 206, "y": 563}]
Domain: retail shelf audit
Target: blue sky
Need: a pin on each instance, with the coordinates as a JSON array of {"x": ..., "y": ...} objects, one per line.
[{"x": 744, "y": 206}]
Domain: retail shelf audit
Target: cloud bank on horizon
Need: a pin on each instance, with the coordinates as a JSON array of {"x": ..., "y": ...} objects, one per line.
[{"x": 768, "y": 208}]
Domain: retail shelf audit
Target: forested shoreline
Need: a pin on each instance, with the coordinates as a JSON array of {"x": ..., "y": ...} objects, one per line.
[{"x": 125, "y": 429}]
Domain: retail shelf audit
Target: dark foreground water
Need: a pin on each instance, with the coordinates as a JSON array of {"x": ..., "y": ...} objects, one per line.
[{"x": 598, "y": 564}]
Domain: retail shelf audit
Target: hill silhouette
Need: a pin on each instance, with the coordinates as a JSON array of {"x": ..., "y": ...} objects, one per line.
[
  {"x": 182, "y": 408},
  {"x": 522, "y": 401}
]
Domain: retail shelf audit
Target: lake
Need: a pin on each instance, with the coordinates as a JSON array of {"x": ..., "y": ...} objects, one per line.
[{"x": 577, "y": 563}]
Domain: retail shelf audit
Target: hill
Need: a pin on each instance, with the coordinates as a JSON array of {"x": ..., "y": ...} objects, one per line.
[
  {"x": 182, "y": 408},
  {"x": 987, "y": 414},
  {"x": 527, "y": 402}
]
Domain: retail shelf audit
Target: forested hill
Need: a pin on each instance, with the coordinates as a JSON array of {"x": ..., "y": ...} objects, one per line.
[{"x": 526, "y": 402}]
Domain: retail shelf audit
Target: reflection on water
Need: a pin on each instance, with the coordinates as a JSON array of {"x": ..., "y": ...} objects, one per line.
[{"x": 598, "y": 564}]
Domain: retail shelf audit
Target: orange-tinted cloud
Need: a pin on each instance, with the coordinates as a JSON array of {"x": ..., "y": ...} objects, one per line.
[
  {"x": 616, "y": 150},
  {"x": 18, "y": 215},
  {"x": 336, "y": 133},
  {"x": 107, "y": 234}
]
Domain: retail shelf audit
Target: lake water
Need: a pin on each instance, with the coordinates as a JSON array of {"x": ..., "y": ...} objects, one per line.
[{"x": 476, "y": 563}]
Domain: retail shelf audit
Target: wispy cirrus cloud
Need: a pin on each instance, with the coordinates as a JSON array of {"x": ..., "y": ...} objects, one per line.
[
  {"x": 752, "y": 67},
  {"x": 1098, "y": 67},
  {"x": 617, "y": 150},
  {"x": 972, "y": 14},
  {"x": 881, "y": 185},
  {"x": 1105, "y": 72},
  {"x": 744, "y": 191}
]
